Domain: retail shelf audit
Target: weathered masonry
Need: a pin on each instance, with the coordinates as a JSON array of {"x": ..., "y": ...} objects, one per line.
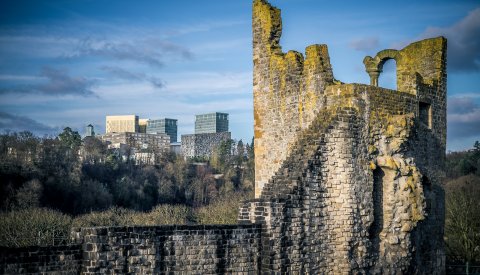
[
  {"x": 169, "y": 249},
  {"x": 348, "y": 178}
]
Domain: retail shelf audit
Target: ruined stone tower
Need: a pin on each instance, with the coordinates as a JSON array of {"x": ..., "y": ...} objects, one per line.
[{"x": 347, "y": 176}]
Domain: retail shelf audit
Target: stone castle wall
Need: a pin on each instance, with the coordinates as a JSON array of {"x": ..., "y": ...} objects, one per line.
[
  {"x": 175, "y": 249},
  {"x": 287, "y": 88},
  {"x": 348, "y": 176},
  {"x": 66, "y": 259},
  {"x": 170, "y": 249},
  {"x": 350, "y": 197}
]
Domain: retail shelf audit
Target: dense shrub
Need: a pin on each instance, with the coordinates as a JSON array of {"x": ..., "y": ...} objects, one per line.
[
  {"x": 33, "y": 226},
  {"x": 111, "y": 217},
  {"x": 160, "y": 215},
  {"x": 164, "y": 214},
  {"x": 222, "y": 211}
]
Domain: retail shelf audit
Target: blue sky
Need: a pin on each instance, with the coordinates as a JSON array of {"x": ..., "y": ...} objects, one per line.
[{"x": 70, "y": 63}]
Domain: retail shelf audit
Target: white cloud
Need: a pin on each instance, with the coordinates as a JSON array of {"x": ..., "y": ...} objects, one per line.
[
  {"x": 463, "y": 118},
  {"x": 209, "y": 83},
  {"x": 463, "y": 42},
  {"x": 59, "y": 83},
  {"x": 366, "y": 44},
  {"x": 11, "y": 77},
  {"x": 470, "y": 117}
]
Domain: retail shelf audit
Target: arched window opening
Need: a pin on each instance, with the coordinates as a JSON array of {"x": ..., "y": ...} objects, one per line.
[{"x": 388, "y": 77}]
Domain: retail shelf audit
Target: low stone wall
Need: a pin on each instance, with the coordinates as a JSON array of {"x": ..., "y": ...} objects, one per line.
[
  {"x": 204, "y": 249},
  {"x": 33, "y": 260},
  {"x": 172, "y": 249}
]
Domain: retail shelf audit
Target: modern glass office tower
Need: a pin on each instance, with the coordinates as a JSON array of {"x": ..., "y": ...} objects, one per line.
[
  {"x": 211, "y": 123},
  {"x": 163, "y": 126}
]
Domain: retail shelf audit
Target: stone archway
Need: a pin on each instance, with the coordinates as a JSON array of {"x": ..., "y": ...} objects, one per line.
[{"x": 374, "y": 66}]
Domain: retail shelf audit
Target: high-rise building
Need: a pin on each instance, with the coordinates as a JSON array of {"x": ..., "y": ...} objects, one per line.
[
  {"x": 120, "y": 124},
  {"x": 211, "y": 123},
  {"x": 138, "y": 140},
  {"x": 142, "y": 125},
  {"x": 163, "y": 126},
  {"x": 202, "y": 145},
  {"x": 89, "y": 132}
]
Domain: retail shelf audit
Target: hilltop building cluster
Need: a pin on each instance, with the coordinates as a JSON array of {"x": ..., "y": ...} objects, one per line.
[{"x": 143, "y": 139}]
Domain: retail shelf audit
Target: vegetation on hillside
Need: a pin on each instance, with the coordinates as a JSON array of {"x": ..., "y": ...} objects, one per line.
[
  {"x": 462, "y": 207},
  {"x": 75, "y": 177},
  {"x": 65, "y": 181}
]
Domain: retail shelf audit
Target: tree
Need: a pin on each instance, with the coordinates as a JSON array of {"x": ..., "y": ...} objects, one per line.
[
  {"x": 249, "y": 177},
  {"x": 70, "y": 138},
  {"x": 92, "y": 195},
  {"x": 463, "y": 163},
  {"x": 203, "y": 187},
  {"x": 462, "y": 220},
  {"x": 221, "y": 157},
  {"x": 94, "y": 150},
  {"x": 28, "y": 196},
  {"x": 240, "y": 153}
]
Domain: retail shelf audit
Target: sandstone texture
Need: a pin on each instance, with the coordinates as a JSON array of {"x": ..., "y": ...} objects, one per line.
[{"x": 347, "y": 176}]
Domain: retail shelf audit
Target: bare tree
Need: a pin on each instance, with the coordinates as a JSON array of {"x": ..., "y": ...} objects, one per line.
[{"x": 462, "y": 223}]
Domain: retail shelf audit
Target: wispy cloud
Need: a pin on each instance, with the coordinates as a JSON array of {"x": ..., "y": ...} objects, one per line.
[
  {"x": 463, "y": 42},
  {"x": 210, "y": 83},
  {"x": 205, "y": 27},
  {"x": 151, "y": 51},
  {"x": 463, "y": 117},
  {"x": 57, "y": 83},
  {"x": 124, "y": 74},
  {"x": 15, "y": 123},
  {"x": 364, "y": 44},
  {"x": 461, "y": 105},
  {"x": 11, "y": 77}
]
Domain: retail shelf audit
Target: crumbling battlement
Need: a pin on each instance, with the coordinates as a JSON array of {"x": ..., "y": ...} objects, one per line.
[
  {"x": 289, "y": 90},
  {"x": 347, "y": 176}
]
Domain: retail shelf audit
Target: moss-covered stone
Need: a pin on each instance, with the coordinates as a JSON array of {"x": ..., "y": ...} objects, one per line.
[{"x": 340, "y": 168}]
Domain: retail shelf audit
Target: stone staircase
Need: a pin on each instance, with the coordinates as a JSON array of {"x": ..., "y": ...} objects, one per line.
[{"x": 293, "y": 196}]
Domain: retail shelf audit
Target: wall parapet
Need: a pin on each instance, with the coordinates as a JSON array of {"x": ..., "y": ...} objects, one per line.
[
  {"x": 179, "y": 249},
  {"x": 65, "y": 259},
  {"x": 205, "y": 249}
]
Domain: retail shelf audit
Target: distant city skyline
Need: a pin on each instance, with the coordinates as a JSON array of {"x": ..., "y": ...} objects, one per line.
[{"x": 71, "y": 63}]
